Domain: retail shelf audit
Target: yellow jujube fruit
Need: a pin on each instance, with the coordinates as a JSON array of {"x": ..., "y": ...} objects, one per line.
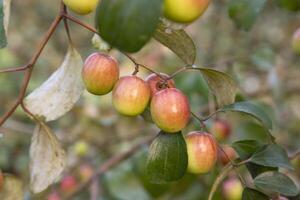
[{"x": 81, "y": 7}]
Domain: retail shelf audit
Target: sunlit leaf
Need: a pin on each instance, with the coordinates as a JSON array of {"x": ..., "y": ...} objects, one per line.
[
  {"x": 12, "y": 188},
  {"x": 222, "y": 85},
  {"x": 47, "y": 158},
  {"x": 4, "y": 21},
  {"x": 167, "y": 160},
  {"x": 177, "y": 41},
  {"x": 60, "y": 92},
  {"x": 276, "y": 182}
]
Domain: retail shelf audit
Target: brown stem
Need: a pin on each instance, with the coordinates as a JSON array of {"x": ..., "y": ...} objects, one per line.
[
  {"x": 109, "y": 164},
  {"x": 29, "y": 68}
]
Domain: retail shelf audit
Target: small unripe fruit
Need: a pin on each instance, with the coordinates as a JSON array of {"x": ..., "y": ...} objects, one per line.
[
  {"x": 184, "y": 11},
  {"x": 296, "y": 41},
  {"x": 100, "y": 73},
  {"x": 156, "y": 83},
  {"x": 202, "y": 152},
  {"x": 232, "y": 189},
  {"x": 81, "y": 148},
  {"x": 131, "y": 95},
  {"x": 170, "y": 110},
  {"x": 81, "y": 7},
  {"x": 226, "y": 155},
  {"x": 68, "y": 184},
  {"x": 221, "y": 129}
]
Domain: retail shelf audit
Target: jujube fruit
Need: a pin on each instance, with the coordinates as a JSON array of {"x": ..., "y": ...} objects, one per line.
[
  {"x": 202, "y": 152},
  {"x": 131, "y": 95},
  {"x": 232, "y": 189},
  {"x": 68, "y": 184},
  {"x": 226, "y": 155},
  {"x": 170, "y": 110},
  {"x": 184, "y": 11},
  {"x": 100, "y": 73},
  {"x": 221, "y": 129},
  {"x": 81, "y": 7},
  {"x": 156, "y": 83},
  {"x": 296, "y": 41}
]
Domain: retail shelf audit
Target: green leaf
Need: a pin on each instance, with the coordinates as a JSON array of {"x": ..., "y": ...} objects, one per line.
[
  {"x": 139, "y": 167},
  {"x": 276, "y": 182},
  {"x": 250, "y": 109},
  {"x": 272, "y": 156},
  {"x": 245, "y": 149},
  {"x": 245, "y": 12},
  {"x": 4, "y": 18},
  {"x": 251, "y": 194},
  {"x": 167, "y": 160},
  {"x": 222, "y": 85},
  {"x": 128, "y": 24},
  {"x": 177, "y": 41}
]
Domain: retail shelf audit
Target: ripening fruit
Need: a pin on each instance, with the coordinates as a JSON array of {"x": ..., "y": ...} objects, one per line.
[
  {"x": 156, "y": 83},
  {"x": 170, "y": 110},
  {"x": 81, "y": 7},
  {"x": 202, "y": 152},
  {"x": 85, "y": 172},
  {"x": 68, "y": 184},
  {"x": 53, "y": 196},
  {"x": 184, "y": 11},
  {"x": 232, "y": 189},
  {"x": 230, "y": 154},
  {"x": 296, "y": 41},
  {"x": 100, "y": 73},
  {"x": 221, "y": 129},
  {"x": 131, "y": 95}
]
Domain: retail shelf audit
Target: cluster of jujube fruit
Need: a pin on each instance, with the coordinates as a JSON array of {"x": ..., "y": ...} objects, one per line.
[{"x": 169, "y": 107}]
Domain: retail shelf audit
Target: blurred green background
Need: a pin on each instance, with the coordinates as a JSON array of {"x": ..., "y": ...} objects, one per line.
[{"x": 260, "y": 60}]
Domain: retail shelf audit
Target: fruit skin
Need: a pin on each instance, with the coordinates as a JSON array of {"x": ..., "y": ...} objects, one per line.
[
  {"x": 232, "y": 189},
  {"x": 68, "y": 184},
  {"x": 230, "y": 152},
  {"x": 202, "y": 152},
  {"x": 296, "y": 42},
  {"x": 81, "y": 7},
  {"x": 81, "y": 148},
  {"x": 85, "y": 172},
  {"x": 100, "y": 73},
  {"x": 53, "y": 196},
  {"x": 131, "y": 95},
  {"x": 155, "y": 83},
  {"x": 221, "y": 129},
  {"x": 170, "y": 110},
  {"x": 184, "y": 11}
]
